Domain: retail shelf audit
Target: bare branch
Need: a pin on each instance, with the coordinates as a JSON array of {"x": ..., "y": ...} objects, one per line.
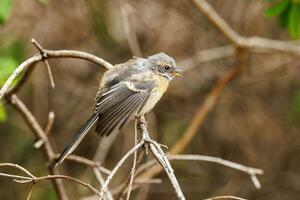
[
  {"x": 48, "y": 128},
  {"x": 252, "y": 172},
  {"x": 119, "y": 164},
  {"x": 226, "y": 198},
  {"x": 160, "y": 156},
  {"x": 100, "y": 179},
  {"x": 198, "y": 118},
  {"x": 85, "y": 161},
  {"x": 207, "y": 56},
  {"x": 34, "y": 179},
  {"x": 134, "y": 163},
  {"x": 30, "y": 191},
  {"x": 63, "y": 177},
  {"x": 42, "y": 52},
  {"x": 39, "y": 134},
  {"x": 17, "y": 167},
  {"x": 48, "y": 54},
  {"x": 123, "y": 188},
  {"x": 241, "y": 41}
]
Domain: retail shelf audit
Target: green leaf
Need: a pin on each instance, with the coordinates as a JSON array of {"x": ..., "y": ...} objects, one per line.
[
  {"x": 5, "y": 10},
  {"x": 277, "y": 9},
  {"x": 7, "y": 66},
  {"x": 3, "y": 115},
  {"x": 284, "y": 18},
  {"x": 294, "y": 20}
]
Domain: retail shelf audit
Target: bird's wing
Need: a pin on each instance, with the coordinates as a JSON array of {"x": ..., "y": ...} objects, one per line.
[{"x": 118, "y": 105}]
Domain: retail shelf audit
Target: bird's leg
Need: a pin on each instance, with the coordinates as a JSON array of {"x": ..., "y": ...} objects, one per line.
[
  {"x": 142, "y": 120},
  {"x": 142, "y": 125}
]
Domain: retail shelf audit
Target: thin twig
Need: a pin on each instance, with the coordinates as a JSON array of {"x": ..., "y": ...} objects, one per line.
[
  {"x": 33, "y": 179},
  {"x": 51, "y": 79},
  {"x": 63, "y": 177},
  {"x": 119, "y": 164},
  {"x": 136, "y": 184},
  {"x": 48, "y": 54},
  {"x": 252, "y": 172},
  {"x": 241, "y": 41},
  {"x": 198, "y": 118},
  {"x": 160, "y": 156},
  {"x": 48, "y": 128},
  {"x": 39, "y": 134},
  {"x": 86, "y": 162},
  {"x": 123, "y": 188},
  {"x": 207, "y": 55},
  {"x": 226, "y": 198},
  {"x": 17, "y": 167},
  {"x": 42, "y": 52},
  {"x": 134, "y": 163},
  {"x": 100, "y": 179},
  {"x": 30, "y": 191}
]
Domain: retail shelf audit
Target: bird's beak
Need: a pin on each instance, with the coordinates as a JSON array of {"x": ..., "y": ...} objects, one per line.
[{"x": 177, "y": 72}]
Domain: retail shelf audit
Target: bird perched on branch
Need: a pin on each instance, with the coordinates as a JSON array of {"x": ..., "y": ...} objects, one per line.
[{"x": 128, "y": 90}]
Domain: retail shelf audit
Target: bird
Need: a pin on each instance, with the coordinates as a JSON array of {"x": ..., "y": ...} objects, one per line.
[{"x": 126, "y": 91}]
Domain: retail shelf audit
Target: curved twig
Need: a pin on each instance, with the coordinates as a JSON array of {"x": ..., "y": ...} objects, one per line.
[
  {"x": 160, "y": 156},
  {"x": 119, "y": 164},
  {"x": 85, "y": 161},
  {"x": 63, "y": 177},
  {"x": 242, "y": 41},
  {"x": 33, "y": 179},
  {"x": 252, "y": 172},
  {"x": 49, "y": 54}
]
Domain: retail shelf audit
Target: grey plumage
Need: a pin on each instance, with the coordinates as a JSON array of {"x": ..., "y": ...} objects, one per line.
[{"x": 129, "y": 89}]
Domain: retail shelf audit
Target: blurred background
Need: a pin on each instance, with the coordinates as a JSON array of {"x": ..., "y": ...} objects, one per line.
[{"x": 255, "y": 122}]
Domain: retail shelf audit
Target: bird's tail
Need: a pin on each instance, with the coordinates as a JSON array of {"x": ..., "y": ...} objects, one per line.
[{"x": 79, "y": 135}]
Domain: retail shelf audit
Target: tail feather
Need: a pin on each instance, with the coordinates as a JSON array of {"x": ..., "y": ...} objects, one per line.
[{"x": 79, "y": 135}]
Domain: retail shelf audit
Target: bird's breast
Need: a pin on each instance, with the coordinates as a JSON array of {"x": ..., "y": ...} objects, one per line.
[{"x": 162, "y": 85}]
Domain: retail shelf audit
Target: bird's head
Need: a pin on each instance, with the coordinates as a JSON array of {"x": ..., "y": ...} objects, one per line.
[{"x": 164, "y": 65}]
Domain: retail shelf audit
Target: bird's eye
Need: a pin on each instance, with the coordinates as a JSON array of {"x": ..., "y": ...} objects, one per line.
[{"x": 167, "y": 67}]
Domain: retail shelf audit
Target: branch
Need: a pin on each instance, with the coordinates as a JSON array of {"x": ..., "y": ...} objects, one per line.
[
  {"x": 48, "y": 128},
  {"x": 132, "y": 173},
  {"x": 241, "y": 41},
  {"x": 33, "y": 179},
  {"x": 225, "y": 198},
  {"x": 125, "y": 187},
  {"x": 252, "y": 172},
  {"x": 198, "y": 118},
  {"x": 64, "y": 177},
  {"x": 101, "y": 182},
  {"x": 119, "y": 164},
  {"x": 157, "y": 153},
  {"x": 160, "y": 156},
  {"x": 207, "y": 55},
  {"x": 86, "y": 162},
  {"x": 30, "y": 191},
  {"x": 17, "y": 167},
  {"x": 39, "y": 134},
  {"x": 48, "y": 54},
  {"x": 42, "y": 52}
]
